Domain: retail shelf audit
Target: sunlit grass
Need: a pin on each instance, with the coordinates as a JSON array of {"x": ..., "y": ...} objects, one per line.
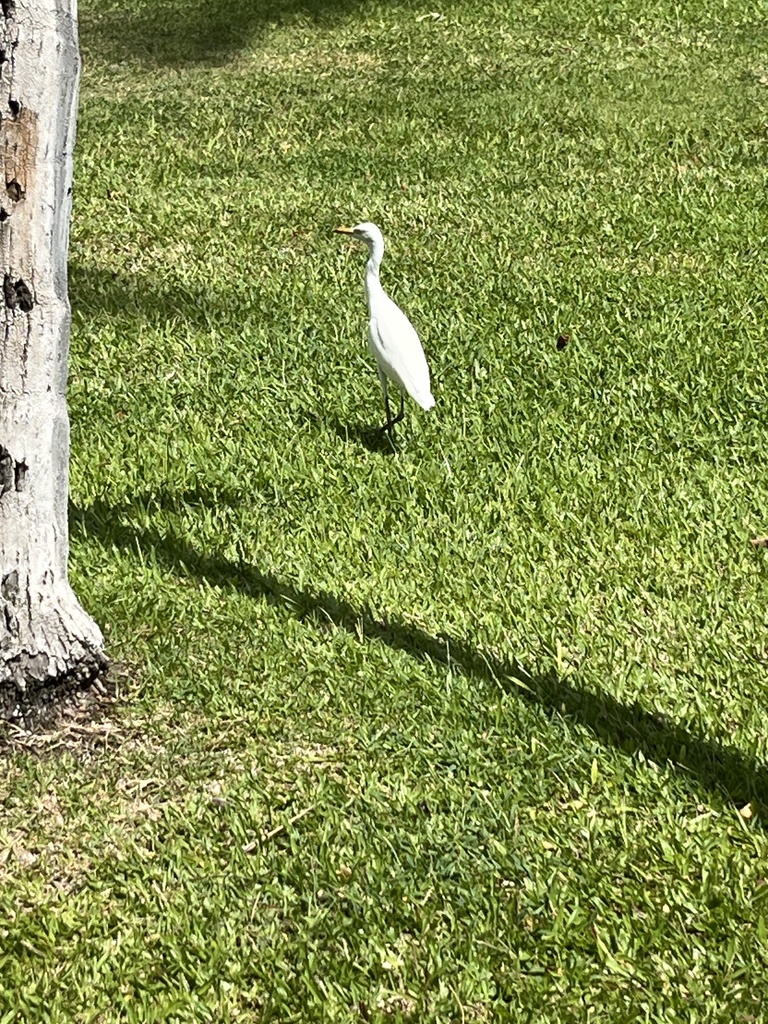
[{"x": 474, "y": 730}]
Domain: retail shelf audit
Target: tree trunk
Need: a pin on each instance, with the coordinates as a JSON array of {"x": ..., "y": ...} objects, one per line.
[{"x": 47, "y": 642}]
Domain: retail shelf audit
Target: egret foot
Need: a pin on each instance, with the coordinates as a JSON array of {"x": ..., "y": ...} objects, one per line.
[{"x": 389, "y": 426}]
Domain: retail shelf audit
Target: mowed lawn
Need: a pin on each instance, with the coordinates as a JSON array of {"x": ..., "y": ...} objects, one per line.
[{"x": 474, "y": 729}]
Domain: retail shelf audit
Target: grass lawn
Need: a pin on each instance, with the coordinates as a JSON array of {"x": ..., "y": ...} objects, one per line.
[{"x": 473, "y": 730}]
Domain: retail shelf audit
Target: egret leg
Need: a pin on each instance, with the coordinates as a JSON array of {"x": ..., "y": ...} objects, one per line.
[
  {"x": 389, "y": 425},
  {"x": 402, "y": 410}
]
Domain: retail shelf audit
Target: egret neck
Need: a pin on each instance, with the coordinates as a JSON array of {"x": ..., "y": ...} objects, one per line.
[{"x": 372, "y": 282}]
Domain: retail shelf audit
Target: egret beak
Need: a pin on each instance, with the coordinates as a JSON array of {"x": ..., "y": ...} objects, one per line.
[{"x": 343, "y": 231}]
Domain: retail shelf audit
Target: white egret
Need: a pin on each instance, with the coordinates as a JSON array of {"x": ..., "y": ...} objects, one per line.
[{"x": 392, "y": 340}]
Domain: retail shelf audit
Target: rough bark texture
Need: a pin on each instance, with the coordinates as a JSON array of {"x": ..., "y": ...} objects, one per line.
[{"x": 47, "y": 642}]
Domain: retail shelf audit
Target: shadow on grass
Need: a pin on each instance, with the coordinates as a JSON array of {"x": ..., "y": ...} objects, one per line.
[
  {"x": 712, "y": 766},
  {"x": 98, "y": 292},
  {"x": 373, "y": 439},
  {"x": 174, "y": 32}
]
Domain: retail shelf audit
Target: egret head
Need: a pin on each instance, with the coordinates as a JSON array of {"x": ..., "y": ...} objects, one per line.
[{"x": 365, "y": 232}]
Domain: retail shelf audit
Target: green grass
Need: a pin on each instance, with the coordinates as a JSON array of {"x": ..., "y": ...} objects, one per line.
[{"x": 461, "y": 732}]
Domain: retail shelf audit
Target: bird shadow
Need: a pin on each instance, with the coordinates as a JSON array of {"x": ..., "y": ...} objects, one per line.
[
  {"x": 373, "y": 439},
  {"x": 708, "y": 765},
  {"x": 353, "y": 432}
]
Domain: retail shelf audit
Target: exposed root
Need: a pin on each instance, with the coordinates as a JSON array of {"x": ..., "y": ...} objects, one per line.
[{"x": 45, "y": 704}]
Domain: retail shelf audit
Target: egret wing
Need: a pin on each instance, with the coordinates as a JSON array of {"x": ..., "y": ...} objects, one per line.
[{"x": 397, "y": 349}]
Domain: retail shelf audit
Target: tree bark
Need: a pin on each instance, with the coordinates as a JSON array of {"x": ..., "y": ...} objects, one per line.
[{"x": 47, "y": 642}]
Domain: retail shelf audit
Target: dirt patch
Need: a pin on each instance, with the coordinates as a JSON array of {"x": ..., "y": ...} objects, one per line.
[{"x": 80, "y": 719}]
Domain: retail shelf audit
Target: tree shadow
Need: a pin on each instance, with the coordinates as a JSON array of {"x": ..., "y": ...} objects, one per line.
[
  {"x": 713, "y": 767},
  {"x": 100, "y": 292},
  {"x": 175, "y": 32}
]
